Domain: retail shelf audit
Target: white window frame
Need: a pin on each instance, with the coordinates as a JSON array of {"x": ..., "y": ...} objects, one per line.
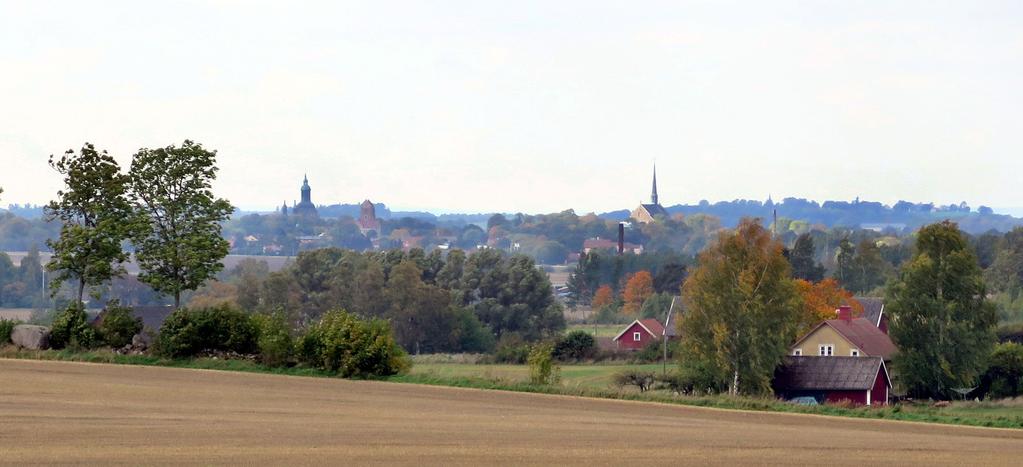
[
  {"x": 637, "y": 336},
  {"x": 797, "y": 353},
  {"x": 826, "y": 350},
  {"x": 854, "y": 353}
]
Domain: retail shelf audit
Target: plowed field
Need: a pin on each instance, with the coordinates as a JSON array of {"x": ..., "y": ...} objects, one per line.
[{"x": 53, "y": 412}]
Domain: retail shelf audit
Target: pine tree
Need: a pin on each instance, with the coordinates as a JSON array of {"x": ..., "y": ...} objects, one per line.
[
  {"x": 802, "y": 259},
  {"x": 941, "y": 321}
]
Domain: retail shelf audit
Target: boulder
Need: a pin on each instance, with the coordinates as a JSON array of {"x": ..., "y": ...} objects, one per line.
[
  {"x": 32, "y": 337},
  {"x": 141, "y": 341}
]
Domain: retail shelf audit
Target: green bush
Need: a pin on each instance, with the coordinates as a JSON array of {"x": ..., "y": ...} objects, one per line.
[
  {"x": 1005, "y": 370},
  {"x": 511, "y": 349},
  {"x": 71, "y": 329},
  {"x": 6, "y": 327},
  {"x": 473, "y": 336},
  {"x": 643, "y": 380},
  {"x": 118, "y": 325},
  {"x": 576, "y": 345},
  {"x": 542, "y": 368},
  {"x": 342, "y": 343},
  {"x": 652, "y": 352},
  {"x": 187, "y": 333},
  {"x": 275, "y": 342}
]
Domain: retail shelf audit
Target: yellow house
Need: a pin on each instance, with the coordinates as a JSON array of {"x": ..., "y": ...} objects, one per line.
[{"x": 845, "y": 337}]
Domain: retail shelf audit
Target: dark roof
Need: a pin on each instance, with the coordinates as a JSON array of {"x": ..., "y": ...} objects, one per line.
[
  {"x": 152, "y": 316},
  {"x": 829, "y": 373},
  {"x": 872, "y": 308},
  {"x": 671, "y": 322},
  {"x": 655, "y": 210},
  {"x": 866, "y": 336}
]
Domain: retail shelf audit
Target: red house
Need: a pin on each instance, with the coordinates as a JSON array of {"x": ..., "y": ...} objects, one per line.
[
  {"x": 861, "y": 380},
  {"x": 638, "y": 334}
]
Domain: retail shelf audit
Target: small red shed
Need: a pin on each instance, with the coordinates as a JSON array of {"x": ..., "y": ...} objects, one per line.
[{"x": 638, "y": 334}]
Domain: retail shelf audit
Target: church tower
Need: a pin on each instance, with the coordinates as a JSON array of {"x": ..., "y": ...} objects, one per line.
[
  {"x": 306, "y": 191},
  {"x": 646, "y": 213},
  {"x": 653, "y": 192},
  {"x": 305, "y": 208}
]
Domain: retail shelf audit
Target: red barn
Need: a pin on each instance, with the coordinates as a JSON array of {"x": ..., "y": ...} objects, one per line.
[
  {"x": 638, "y": 334},
  {"x": 861, "y": 380}
]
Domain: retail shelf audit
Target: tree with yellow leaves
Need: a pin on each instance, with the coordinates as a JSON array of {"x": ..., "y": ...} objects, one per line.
[{"x": 639, "y": 288}]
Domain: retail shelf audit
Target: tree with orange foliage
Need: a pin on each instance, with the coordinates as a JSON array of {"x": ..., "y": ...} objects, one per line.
[
  {"x": 639, "y": 287},
  {"x": 604, "y": 296},
  {"x": 821, "y": 299}
]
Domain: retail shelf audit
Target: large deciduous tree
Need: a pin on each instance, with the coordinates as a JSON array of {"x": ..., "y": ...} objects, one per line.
[
  {"x": 743, "y": 310},
  {"x": 94, "y": 213},
  {"x": 941, "y": 320},
  {"x": 177, "y": 240}
]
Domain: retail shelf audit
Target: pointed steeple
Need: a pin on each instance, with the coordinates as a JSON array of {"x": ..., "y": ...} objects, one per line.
[{"x": 653, "y": 191}]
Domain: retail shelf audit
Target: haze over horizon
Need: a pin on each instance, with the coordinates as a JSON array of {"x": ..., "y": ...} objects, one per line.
[{"x": 528, "y": 107}]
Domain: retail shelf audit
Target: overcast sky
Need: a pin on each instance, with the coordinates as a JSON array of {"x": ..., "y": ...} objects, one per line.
[{"x": 528, "y": 106}]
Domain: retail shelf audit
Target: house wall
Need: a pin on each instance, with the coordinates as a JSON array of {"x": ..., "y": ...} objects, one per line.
[
  {"x": 879, "y": 393},
  {"x": 626, "y": 341},
  {"x": 641, "y": 215},
  {"x": 857, "y": 397},
  {"x": 824, "y": 335}
]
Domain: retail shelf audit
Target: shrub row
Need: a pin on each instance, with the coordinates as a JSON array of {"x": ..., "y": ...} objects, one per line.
[
  {"x": 340, "y": 343},
  {"x": 71, "y": 328}
]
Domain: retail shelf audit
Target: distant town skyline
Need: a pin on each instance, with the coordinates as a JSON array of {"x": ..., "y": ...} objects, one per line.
[{"x": 528, "y": 107}]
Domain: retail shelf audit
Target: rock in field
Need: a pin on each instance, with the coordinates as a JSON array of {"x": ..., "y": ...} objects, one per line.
[
  {"x": 141, "y": 341},
  {"x": 31, "y": 337}
]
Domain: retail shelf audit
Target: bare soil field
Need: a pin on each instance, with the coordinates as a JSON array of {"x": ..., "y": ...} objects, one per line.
[
  {"x": 57, "y": 412},
  {"x": 16, "y": 314}
]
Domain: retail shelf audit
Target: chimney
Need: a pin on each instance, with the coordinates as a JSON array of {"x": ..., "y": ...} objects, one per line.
[
  {"x": 621, "y": 238},
  {"x": 845, "y": 313}
]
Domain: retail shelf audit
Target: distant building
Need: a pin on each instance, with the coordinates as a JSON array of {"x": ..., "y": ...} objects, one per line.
[
  {"x": 305, "y": 208},
  {"x": 671, "y": 323},
  {"x": 873, "y": 311},
  {"x": 598, "y": 243},
  {"x": 367, "y": 220},
  {"x": 647, "y": 213}
]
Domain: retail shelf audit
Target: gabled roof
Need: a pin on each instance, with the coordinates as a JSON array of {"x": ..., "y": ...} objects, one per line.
[
  {"x": 862, "y": 334},
  {"x": 674, "y": 312},
  {"x": 152, "y": 316},
  {"x": 654, "y": 210},
  {"x": 873, "y": 308},
  {"x": 866, "y": 336},
  {"x": 651, "y": 326},
  {"x": 829, "y": 373}
]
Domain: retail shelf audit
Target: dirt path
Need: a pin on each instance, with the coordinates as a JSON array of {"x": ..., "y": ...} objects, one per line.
[{"x": 52, "y": 412}]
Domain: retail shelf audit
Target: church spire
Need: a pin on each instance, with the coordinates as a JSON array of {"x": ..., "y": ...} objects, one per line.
[{"x": 653, "y": 192}]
